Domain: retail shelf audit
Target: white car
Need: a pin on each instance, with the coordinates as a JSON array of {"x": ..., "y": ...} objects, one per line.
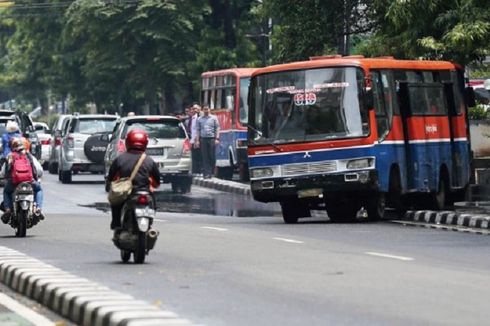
[{"x": 44, "y": 135}]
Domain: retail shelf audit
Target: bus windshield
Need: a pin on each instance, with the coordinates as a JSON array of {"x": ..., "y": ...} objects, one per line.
[{"x": 308, "y": 105}]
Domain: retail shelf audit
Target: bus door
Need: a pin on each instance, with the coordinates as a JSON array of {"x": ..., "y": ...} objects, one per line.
[
  {"x": 427, "y": 133},
  {"x": 408, "y": 128},
  {"x": 457, "y": 126}
]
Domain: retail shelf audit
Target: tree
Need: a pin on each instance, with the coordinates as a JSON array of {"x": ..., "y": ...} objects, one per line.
[
  {"x": 457, "y": 30},
  {"x": 311, "y": 27}
]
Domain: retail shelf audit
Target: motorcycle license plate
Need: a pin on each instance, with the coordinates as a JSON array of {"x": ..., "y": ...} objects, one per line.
[
  {"x": 25, "y": 197},
  {"x": 147, "y": 212}
]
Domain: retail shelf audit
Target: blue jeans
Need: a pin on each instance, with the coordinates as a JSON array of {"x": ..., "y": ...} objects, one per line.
[{"x": 9, "y": 190}]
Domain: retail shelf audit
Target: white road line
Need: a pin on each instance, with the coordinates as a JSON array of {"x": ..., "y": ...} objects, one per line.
[
  {"x": 23, "y": 311},
  {"x": 159, "y": 220},
  {"x": 213, "y": 228},
  {"x": 378, "y": 254},
  {"x": 288, "y": 240}
]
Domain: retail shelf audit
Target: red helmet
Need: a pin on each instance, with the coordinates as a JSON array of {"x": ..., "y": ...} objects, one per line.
[{"x": 136, "y": 139}]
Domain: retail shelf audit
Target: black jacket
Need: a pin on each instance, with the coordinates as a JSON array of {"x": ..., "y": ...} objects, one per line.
[{"x": 123, "y": 165}]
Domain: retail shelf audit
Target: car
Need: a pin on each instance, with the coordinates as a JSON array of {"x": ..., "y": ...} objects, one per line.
[
  {"x": 44, "y": 133},
  {"x": 82, "y": 149},
  {"x": 57, "y": 132},
  {"x": 168, "y": 146}
]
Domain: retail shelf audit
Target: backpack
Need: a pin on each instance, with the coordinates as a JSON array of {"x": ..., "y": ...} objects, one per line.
[{"x": 21, "y": 169}]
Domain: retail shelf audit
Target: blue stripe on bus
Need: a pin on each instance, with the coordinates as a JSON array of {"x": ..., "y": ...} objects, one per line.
[{"x": 427, "y": 155}]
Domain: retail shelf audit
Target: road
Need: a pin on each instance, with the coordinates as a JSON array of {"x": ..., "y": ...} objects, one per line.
[{"x": 215, "y": 266}]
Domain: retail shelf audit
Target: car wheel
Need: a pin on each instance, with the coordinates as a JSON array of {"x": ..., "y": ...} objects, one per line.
[{"x": 53, "y": 168}]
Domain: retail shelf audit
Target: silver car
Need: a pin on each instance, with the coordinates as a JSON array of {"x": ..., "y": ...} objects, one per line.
[
  {"x": 169, "y": 147},
  {"x": 57, "y": 133},
  {"x": 82, "y": 148}
]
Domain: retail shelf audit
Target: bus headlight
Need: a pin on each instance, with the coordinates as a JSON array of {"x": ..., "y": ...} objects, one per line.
[
  {"x": 362, "y": 163},
  {"x": 261, "y": 173}
]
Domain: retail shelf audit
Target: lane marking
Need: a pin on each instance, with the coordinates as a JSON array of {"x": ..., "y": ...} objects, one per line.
[
  {"x": 159, "y": 220},
  {"x": 288, "y": 240},
  {"x": 378, "y": 254},
  {"x": 24, "y": 312},
  {"x": 213, "y": 228}
]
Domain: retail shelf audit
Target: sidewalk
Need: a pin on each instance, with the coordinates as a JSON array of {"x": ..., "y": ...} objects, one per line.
[{"x": 471, "y": 219}]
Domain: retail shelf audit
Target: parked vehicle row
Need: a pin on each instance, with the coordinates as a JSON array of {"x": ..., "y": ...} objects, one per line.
[{"x": 89, "y": 143}]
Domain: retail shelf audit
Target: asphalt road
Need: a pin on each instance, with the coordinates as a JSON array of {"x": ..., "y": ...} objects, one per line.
[{"x": 221, "y": 269}]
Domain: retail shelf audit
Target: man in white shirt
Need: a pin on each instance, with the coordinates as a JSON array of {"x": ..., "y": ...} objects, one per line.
[{"x": 196, "y": 155}]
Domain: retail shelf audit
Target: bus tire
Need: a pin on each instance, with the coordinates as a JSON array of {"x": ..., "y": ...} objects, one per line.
[
  {"x": 394, "y": 197},
  {"x": 225, "y": 172},
  {"x": 342, "y": 213},
  {"x": 375, "y": 206},
  {"x": 292, "y": 210},
  {"x": 440, "y": 197}
]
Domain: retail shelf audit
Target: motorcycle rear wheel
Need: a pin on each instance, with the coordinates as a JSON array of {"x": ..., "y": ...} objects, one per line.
[
  {"x": 140, "y": 250},
  {"x": 21, "y": 224},
  {"x": 125, "y": 255}
]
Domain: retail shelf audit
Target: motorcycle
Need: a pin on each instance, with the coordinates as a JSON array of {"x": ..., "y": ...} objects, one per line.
[
  {"x": 136, "y": 235},
  {"x": 23, "y": 216}
]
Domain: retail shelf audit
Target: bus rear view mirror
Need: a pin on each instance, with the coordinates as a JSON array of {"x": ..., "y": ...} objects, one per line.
[
  {"x": 470, "y": 96},
  {"x": 369, "y": 98}
]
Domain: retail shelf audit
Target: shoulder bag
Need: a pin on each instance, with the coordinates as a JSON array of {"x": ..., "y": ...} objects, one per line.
[{"x": 122, "y": 188}]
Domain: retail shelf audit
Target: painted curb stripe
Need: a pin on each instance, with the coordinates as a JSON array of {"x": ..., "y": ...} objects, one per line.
[
  {"x": 477, "y": 221},
  {"x": 78, "y": 299}
]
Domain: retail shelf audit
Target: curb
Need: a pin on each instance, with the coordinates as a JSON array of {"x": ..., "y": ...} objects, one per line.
[
  {"x": 223, "y": 185},
  {"x": 480, "y": 221},
  {"x": 78, "y": 299}
]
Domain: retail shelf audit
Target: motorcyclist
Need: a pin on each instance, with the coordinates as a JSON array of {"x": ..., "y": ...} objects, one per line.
[
  {"x": 21, "y": 146},
  {"x": 148, "y": 176},
  {"x": 12, "y": 131}
]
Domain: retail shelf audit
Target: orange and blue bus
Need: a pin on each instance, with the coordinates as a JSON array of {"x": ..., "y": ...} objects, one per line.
[
  {"x": 343, "y": 134},
  {"x": 225, "y": 92}
]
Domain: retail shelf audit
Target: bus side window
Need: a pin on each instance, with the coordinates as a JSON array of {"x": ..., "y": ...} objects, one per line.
[{"x": 382, "y": 122}]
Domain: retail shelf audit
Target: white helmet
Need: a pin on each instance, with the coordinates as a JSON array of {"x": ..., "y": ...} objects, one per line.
[{"x": 12, "y": 126}]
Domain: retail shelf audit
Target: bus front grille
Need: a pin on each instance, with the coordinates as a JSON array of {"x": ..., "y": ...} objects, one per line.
[{"x": 309, "y": 168}]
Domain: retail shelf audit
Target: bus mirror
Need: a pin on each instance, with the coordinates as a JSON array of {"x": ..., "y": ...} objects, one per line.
[
  {"x": 404, "y": 98},
  {"x": 369, "y": 98},
  {"x": 470, "y": 96}
]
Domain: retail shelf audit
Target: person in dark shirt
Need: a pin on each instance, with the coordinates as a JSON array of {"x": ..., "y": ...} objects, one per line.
[{"x": 148, "y": 176}]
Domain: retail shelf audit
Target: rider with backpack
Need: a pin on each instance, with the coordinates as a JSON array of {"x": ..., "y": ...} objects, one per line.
[{"x": 21, "y": 167}]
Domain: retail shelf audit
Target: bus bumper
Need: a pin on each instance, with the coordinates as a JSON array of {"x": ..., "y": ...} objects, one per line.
[{"x": 273, "y": 190}]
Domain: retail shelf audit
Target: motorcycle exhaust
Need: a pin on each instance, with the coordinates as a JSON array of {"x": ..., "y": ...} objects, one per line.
[{"x": 151, "y": 238}]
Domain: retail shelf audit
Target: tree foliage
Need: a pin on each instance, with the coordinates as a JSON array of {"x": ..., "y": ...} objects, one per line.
[
  {"x": 457, "y": 30},
  {"x": 147, "y": 55}
]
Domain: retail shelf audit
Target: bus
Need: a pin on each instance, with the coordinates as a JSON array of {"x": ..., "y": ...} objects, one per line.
[
  {"x": 353, "y": 134},
  {"x": 225, "y": 92}
]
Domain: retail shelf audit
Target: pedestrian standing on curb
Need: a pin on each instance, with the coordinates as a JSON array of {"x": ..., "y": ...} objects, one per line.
[
  {"x": 196, "y": 156},
  {"x": 207, "y": 139}
]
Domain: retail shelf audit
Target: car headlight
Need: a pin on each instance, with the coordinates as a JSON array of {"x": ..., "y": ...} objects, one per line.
[
  {"x": 261, "y": 173},
  {"x": 363, "y": 163}
]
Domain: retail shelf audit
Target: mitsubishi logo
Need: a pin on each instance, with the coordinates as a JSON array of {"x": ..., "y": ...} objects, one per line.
[{"x": 307, "y": 155}]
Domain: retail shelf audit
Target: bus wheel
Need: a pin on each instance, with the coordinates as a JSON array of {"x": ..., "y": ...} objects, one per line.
[
  {"x": 439, "y": 198},
  {"x": 225, "y": 172},
  {"x": 375, "y": 206},
  {"x": 292, "y": 210},
  {"x": 342, "y": 214}
]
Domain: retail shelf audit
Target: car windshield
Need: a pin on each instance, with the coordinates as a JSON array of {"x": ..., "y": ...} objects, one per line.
[
  {"x": 169, "y": 129},
  {"x": 93, "y": 126},
  {"x": 308, "y": 105}
]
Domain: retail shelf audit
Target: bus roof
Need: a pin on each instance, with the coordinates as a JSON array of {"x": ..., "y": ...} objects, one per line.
[
  {"x": 359, "y": 61},
  {"x": 240, "y": 72}
]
